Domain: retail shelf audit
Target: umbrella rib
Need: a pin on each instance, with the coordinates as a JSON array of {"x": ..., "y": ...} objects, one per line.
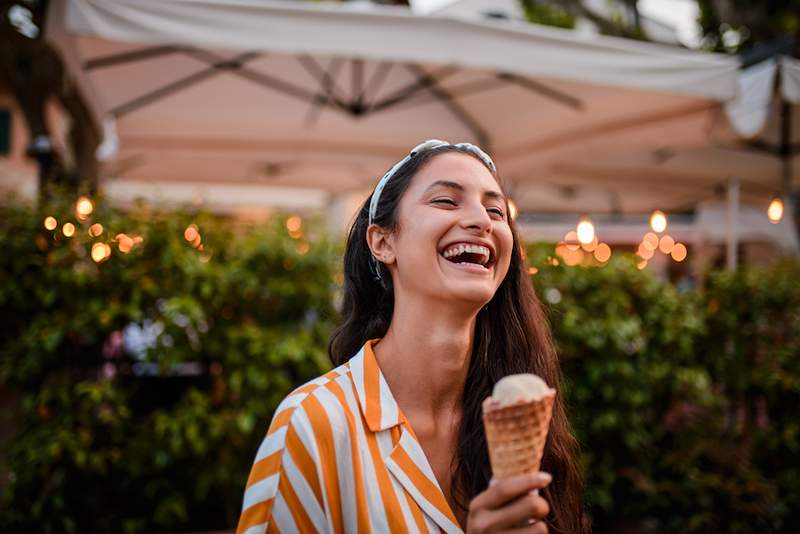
[
  {"x": 324, "y": 77},
  {"x": 454, "y": 107},
  {"x": 127, "y": 57},
  {"x": 173, "y": 87},
  {"x": 412, "y": 89},
  {"x": 326, "y": 96},
  {"x": 376, "y": 80},
  {"x": 543, "y": 90},
  {"x": 284, "y": 87},
  {"x": 357, "y": 81}
]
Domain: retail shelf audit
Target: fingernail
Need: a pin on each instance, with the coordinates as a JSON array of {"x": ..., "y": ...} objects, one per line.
[{"x": 544, "y": 478}]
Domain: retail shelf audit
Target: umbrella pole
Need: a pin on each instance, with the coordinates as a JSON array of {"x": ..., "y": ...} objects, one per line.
[{"x": 732, "y": 224}]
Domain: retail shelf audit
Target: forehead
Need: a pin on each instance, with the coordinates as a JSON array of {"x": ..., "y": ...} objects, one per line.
[{"x": 467, "y": 170}]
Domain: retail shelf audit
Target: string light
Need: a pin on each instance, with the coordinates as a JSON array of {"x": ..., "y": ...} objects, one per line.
[
  {"x": 100, "y": 252},
  {"x": 124, "y": 243},
  {"x": 679, "y": 252},
  {"x": 645, "y": 252},
  {"x": 83, "y": 208},
  {"x": 68, "y": 229},
  {"x": 658, "y": 221},
  {"x": 585, "y": 230},
  {"x": 95, "y": 230},
  {"x": 191, "y": 233},
  {"x": 294, "y": 223},
  {"x": 602, "y": 253},
  {"x": 650, "y": 240},
  {"x": 775, "y": 210},
  {"x": 571, "y": 240},
  {"x": 666, "y": 243},
  {"x": 50, "y": 222}
]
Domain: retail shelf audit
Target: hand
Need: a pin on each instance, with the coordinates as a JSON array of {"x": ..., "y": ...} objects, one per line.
[{"x": 509, "y": 504}]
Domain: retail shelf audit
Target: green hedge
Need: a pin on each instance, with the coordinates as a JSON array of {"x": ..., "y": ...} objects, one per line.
[{"x": 682, "y": 401}]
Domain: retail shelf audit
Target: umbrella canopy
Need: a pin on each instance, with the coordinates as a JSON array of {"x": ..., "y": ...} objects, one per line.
[{"x": 329, "y": 96}]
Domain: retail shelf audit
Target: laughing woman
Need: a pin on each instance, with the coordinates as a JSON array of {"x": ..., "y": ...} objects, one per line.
[{"x": 438, "y": 306}]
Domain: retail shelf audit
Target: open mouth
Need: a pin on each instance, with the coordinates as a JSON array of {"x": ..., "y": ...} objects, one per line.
[{"x": 469, "y": 254}]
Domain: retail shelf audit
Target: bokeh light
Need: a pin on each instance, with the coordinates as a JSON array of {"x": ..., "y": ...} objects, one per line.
[
  {"x": 775, "y": 210},
  {"x": 585, "y": 230},
  {"x": 602, "y": 252},
  {"x": 679, "y": 252},
  {"x": 124, "y": 243},
  {"x": 50, "y": 222},
  {"x": 650, "y": 240},
  {"x": 96, "y": 229},
  {"x": 68, "y": 229},
  {"x": 294, "y": 223},
  {"x": 83, "y": 208},
  {"x": 645, "y": 252},
  {"x": 658, "y": 221},
  {"x": 666, "y": 243},
  {"x": 100, "y": 252},
  {"x": 191, "y": 233},
  {"x": 571, "y": 240}
]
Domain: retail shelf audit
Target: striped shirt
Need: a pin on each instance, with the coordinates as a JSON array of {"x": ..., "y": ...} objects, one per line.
[{"x": 340, "y": 456}]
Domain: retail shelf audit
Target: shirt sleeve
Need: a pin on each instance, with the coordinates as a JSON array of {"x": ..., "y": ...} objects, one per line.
[{"x": 284, "y": 490}]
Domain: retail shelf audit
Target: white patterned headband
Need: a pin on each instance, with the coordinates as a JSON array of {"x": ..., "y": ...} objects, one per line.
[{"x": 427, "y": 145}]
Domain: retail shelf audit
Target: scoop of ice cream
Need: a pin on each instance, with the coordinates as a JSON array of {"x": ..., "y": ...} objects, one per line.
[{"x": 524, "y": 387}]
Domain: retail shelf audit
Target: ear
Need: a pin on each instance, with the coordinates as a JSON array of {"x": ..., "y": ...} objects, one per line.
[{"x": 381, "y": 243}]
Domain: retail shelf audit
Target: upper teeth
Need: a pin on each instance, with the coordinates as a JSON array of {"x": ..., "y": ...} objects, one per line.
[{"x": 455, "y": 250}]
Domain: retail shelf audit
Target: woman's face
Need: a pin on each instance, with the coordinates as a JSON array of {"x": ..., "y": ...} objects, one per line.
[{"x": 453, "y": 240}]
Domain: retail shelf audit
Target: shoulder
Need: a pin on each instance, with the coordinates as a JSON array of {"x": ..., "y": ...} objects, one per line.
[{"x": 317, "y": 404}]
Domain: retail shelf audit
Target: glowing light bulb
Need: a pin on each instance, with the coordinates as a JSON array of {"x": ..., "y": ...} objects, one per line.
[
  {"x": 679, "y": 252},
  {"x": 294, "y": 223},
  {"x": 666, "y": 244},
  {"x": 775, "y": 210},
  {"x": 191, "y": 233},
  {"x": 650, "y": 240},
  {"x": 100, "y": 252},
  {"x": 571, "y": 240},
  {"x": 658, "y": 221},
  {"x": 96, "y": 229},
  {"x": 50, "y": 222},
  {"x": 602, "y": 253},
  {"x": 585, "y": 231},
  {"x": 83, "y": 208},
  {"x": 68, "y": 229}
]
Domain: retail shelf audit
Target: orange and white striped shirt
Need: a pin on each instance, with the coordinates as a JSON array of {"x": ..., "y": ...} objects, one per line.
[{"x": 340, "y": 456}]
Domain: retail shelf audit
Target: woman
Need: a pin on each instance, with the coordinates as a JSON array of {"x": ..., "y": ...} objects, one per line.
[{"x": 438, "y": 306}]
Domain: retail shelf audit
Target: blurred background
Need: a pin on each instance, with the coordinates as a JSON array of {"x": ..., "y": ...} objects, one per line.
[{"x": 177, "y": 179}]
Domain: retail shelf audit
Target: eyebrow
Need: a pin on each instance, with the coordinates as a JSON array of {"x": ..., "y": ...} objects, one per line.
[{"x": 496, "y": 195}]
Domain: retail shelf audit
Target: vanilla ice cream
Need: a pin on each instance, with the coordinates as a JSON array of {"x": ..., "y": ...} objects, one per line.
[{"x": 523, "y": 387}]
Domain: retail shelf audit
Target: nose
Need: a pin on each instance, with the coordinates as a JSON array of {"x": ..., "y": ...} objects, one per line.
[{"x": 476, "y": 218}]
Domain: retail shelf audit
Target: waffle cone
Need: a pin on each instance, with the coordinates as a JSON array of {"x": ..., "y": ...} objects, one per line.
[{"x": 516, "y": 435}]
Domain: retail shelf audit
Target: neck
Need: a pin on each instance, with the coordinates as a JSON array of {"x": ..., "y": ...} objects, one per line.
[{"x": 425, "y": 356}]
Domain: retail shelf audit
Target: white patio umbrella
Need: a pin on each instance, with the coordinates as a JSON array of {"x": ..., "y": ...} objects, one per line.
[{"x": 328, "y": 96}]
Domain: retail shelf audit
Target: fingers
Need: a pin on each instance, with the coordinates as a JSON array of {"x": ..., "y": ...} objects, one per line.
[
  {"x": 519, "y": 512},
  {"x": 508, "y": 489},
  {"x": 536, "y": 528}
]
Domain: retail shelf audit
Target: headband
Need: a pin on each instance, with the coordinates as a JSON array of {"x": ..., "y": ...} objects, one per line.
[{"x": 430, "y": 144}]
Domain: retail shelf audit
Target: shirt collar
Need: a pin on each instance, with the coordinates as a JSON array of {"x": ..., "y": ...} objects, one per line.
[{"x": 377, "y": 403}]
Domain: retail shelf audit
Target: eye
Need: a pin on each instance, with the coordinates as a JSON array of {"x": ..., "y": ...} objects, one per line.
[
  {"x": 445, "y": 201},
  {"x": 497, "y": 212}
]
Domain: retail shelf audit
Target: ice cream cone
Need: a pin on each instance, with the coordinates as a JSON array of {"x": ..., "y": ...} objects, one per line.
[{"x": 516, "y": 434}]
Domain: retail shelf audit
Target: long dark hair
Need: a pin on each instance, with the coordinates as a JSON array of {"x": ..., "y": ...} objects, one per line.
[{"x": 512, "y": 335}]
